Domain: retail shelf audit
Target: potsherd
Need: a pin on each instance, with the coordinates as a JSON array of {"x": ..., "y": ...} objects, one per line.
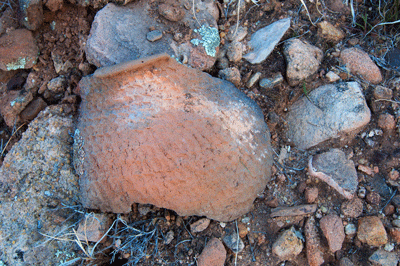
[{"x": 153, "y": 131}]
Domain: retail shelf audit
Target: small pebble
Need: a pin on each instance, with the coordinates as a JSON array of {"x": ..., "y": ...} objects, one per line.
[
  {"x": 388, "y": 247},
  {"x": 235, "y": 52},
  {"x": 253, "y": 79},
  {"x": 386, "y": 122},
  {"x": 373, "y": 198},
  {"x": 245, "y": 220},
  {"x": 389, "y": 210},
  {"x": 200, "y": 225},
  {"x": 362, "y": 192},
  {"x": 396, "y": 223},
  {"x": 233, "y": 242},
  {"x": 269, "y": 83},
  {"x": 365, "y": 169},
  {"x": 311, "y": 194},
  {"x": 350, "y": 229},
  {"x": 222, "y": 63},
  {"x": 332, "y": 76},
  {"x": 154, "y": 35},
  {"x": 382, "y": 93},
  {"x": 231, "y": 74},
  {"x": 394, "y": 175},
  {"x": 169, "y": 237},
  {"x": 353, "y": 41}
]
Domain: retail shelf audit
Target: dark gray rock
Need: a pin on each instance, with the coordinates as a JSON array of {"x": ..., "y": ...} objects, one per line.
[
  {"x": 233, "y": 242},
  {"x": 393, "y": 58},
  {"x": 330, "y": 111},
  {"x": 336, "y": 170}
]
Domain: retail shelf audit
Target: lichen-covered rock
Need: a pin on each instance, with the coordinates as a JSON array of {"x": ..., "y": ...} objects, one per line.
[
  {"x": 154, "y": 131},
  {"x": 18, "y": 50},
  {"x": 330, "y": 111},
  {"x": 35, "y": 179},
  {"x": 119, "y": 33}
]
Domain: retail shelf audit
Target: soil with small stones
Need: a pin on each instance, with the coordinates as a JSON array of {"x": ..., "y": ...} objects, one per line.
[{"x": 64, "y": 33}]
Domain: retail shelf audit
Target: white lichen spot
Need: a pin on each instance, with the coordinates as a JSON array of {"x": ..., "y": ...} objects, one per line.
[
  {"x": 210, "y": 39},
  {"x": 79, "y": 153},
  {"x": 20, "y": 63}
]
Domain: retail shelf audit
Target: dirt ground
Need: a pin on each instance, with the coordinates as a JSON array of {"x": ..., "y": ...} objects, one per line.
[{"x": 64, "y": 33}]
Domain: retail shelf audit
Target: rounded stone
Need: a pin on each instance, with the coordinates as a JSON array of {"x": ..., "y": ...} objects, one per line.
[
  {"x": 287, "y": 246},
  {"x": 153, "y": 131},
  {"x": 386, "y": 122},
  {"x": 311, "y": 194},
  {"x": 359, "y": 63}
]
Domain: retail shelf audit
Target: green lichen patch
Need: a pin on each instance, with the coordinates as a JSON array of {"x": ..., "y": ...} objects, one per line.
[{"x": 210, "y": 39}]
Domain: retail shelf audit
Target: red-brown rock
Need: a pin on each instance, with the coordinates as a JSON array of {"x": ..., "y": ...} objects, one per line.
[
  {"x": 332, "y": 227},
  {"x": 313, "y": 245},
  {"x": 153, "y": 131},
  {"x": 395, "y": 234},
  {"x": 352, "y": 208},
  {"x": 18, "y": 50},
  {"x": 387, "y": 121},
  {"x": 371, "y": 231},
  {"x": 359, "y": 63},
  {"x": 311, "y": 194},
  {"x": 214, "y": 254}
]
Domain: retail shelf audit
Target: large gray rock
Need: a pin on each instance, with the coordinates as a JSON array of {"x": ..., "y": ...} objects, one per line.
[
  {"x": 119, "y": 33},
  {"x": 330, "y": 111},
  {"x": 35, "y": 179},
  {"x": 264, "y": 40},
  {"x": 153, "y": 131}
]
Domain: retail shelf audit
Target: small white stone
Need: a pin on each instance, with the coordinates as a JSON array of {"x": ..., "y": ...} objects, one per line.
[
  {"x": 245, "y": 220},
  {"x": 350, "y": 229},
  {"x": 389, "y": 247},
  {"x": 361, "y": 192},
  {"x": 332, "y": 76}
]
